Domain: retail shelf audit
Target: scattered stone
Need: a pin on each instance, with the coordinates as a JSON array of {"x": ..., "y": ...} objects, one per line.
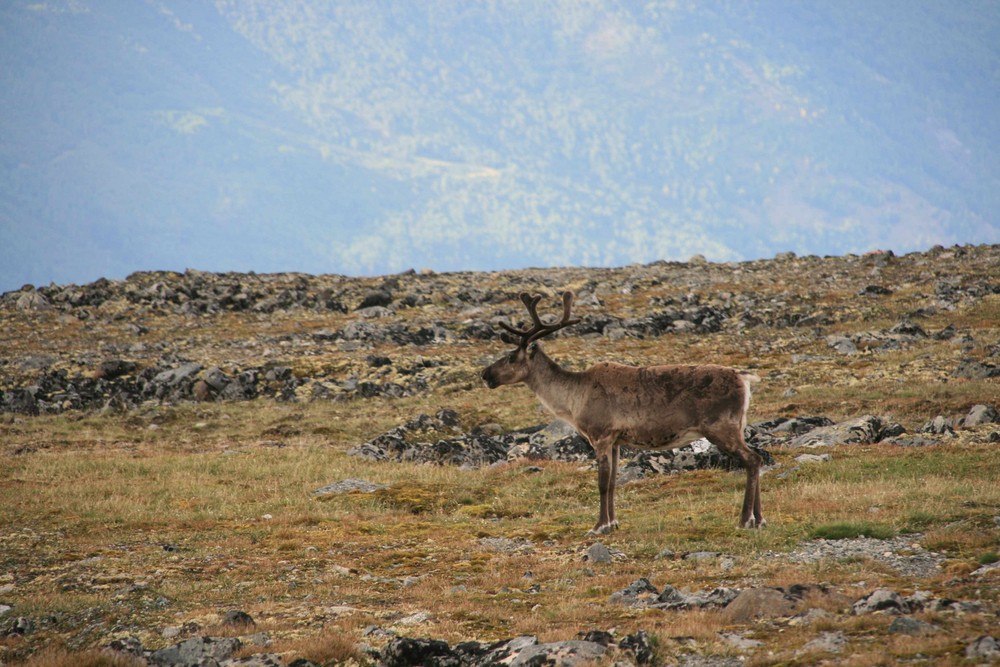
[
  {"x": 17, "y": 627},
  {"x": 813, "y": 458},
  {"x": 375, "y": 298},
  {"x": 756, "y": 603},
  {"x": 971, "y": 369},
  {"x": 196, "y": 651},
  {"x": 114, "y": 368},
  {"x": 128, "y": 645},
  {"x": 639, "y": 593},
  {"x": 842, "y": 344},
  {"x": 640, "y": 646},
  {"x": 698, "y": 455},
  {"x": 827, "y": 642},
  {"x": 417, "y": 618},
  {"x": 406, "y": 652},
  {"x": 981, "y": 414},
  {"x": 349, "y": 486},
  {"x": 907, "y": 625},
  {"x": 238, "y": 619},
  {"x": 517, "y": 652},
  {"x": 863, "y": 430},
  {"x": 740, "y": 642},
  {"x": 597, "y": 553},
  {"x": 914, "y": 442},
  {"x": 257, "y": 660},
  {"x": 882, "y": 600},
  {"x": 874, "y": 290},
  {"x": 506, "y": 545},
  {"x": 939, "y": 426},
  {"x": 987, "y": 569},
  {"x": 984, "y": 648}
]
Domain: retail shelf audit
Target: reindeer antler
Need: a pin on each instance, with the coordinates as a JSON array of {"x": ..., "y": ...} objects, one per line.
[{"x": 538, "y": 329}]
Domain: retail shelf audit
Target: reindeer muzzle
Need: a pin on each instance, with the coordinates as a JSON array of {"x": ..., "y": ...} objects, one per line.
[{"x": 488, "y": 378}]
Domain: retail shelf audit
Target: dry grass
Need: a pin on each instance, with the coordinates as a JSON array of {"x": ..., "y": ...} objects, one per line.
[{"x": 125, "y": 524}]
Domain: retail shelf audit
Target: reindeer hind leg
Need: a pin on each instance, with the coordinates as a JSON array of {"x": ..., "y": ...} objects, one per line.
[{"x": 732, "y": 443}]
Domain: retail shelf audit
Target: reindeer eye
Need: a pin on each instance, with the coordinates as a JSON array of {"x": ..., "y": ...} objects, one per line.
[{"x": 512, "y": 357}]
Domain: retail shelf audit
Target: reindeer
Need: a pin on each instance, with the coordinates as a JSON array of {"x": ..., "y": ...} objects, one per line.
[{"x": 653, "y": 407}]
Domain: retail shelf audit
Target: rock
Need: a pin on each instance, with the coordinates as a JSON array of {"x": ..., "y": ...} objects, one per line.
[
  {"x": 813, "y": 458},
  {"x": 740, "y": 642},
  {"x": 176, "y": 377},
  {"x": 17, "y": 627},
  {"x": 906, "y": 625},
  {"x": 114, "y": 368},
  {"x": 672, "y": 598},
  {"x": 349, "y": 486},
  {"x": 257, "y": 660},
  {"x": 216, "y": 379},
  {"x": 506, "y": 545},
  {"x": 842, "y": 344},
  {"x": 984, "y": 648},
  {"x": 638, "y": 593},
  {"x": 238, "y": 619},
  {"x": 938, "y": 426},
  {"x": 559, "y": 654},
  {"x": 827, "y": 642},
  {"x": 981, "y": 414},
  {"x": 757, "y": 603},
  {"x": 908, "y": 328},
  {"x": 640, "y": 646},
  {"x": 414, "y": 619},
  {"x": 32, "y": 301},
  {"x": 406, "y": 652},
  {"x": 794, "y": 426},
  {"x": 971, "y": 369},
  {"x": 914, "y": 442},
  {"x": 597, "y": 553},
  {"x": 128, "y": 645},
  {"x": 882, "y": 600},
  {"x": 863, "y": 430},
  {"x": 698, "y": 455},
  {"x": 375, "y": 298},
  {"x": 196, "y": 651}
]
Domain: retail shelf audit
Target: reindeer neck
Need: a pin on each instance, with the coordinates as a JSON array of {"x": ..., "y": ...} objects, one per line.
[{"x": 554, "y": 386}]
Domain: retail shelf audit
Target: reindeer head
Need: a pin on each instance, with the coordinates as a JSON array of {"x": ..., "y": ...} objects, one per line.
[{"x": 515, "y": 366}]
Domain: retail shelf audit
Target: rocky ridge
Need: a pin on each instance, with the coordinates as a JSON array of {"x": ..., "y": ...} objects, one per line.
[{"x": 363, "y": 338}]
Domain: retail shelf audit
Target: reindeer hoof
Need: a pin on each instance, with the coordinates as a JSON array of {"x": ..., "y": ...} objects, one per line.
[
  {"x": 754, "y": 523},
  {"x": 602, "y": 529}
]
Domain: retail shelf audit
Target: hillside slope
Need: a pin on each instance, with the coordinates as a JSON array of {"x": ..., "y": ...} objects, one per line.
[
  {"x": 310, "y": 465},
  {"x": 357, "y": 139}
]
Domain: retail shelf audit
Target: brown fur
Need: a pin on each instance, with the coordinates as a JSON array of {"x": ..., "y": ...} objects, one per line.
[{"x": 653, "y": 407}]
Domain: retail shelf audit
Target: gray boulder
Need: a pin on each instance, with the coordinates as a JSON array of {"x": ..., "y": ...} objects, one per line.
[
  {"x": 981, "y": 414},
  {"x": 883, "y": 600},
  {"x": 984, "y": 648},
  {"x": 196, "y": 651},
  {"x": 862, "y": 431}
]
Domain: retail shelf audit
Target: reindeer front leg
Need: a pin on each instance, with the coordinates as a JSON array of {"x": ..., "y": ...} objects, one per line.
[{"x": 607, "y": 464}]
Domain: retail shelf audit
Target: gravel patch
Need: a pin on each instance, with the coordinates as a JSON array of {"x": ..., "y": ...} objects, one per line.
[{"x": 902, "y": 553}]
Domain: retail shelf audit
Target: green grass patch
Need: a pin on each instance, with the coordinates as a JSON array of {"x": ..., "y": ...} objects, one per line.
[
  {"x": 844, "y": 530},
  {"x": 989, "y": 558}
]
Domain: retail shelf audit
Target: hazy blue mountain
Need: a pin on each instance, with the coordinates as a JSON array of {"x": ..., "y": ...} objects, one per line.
[{"x": 362, "y": 137}]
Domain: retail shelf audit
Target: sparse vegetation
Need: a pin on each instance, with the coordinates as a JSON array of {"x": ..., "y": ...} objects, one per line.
[{"x": 125, "y": 523}]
